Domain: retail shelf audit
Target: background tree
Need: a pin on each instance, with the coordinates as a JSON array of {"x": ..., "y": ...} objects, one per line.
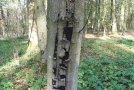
[
  {"x": 41, "y": 12},
  {"x": 33, "y": 38}
]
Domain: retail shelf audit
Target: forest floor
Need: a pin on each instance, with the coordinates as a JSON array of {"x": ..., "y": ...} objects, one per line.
[
  {"x": 106, "y": 63},
  {"x": 20, "y": 66}
]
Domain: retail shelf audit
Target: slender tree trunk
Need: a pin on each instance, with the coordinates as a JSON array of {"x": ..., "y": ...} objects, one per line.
[
  {"x": 2, "y": 22},
  {"x": 132, "y": 22},
  {"x": 114, "y": 23},
  {"x": 7, "y": 22},
  {"x": 123, "y": 23},
  {"x": 98, "y": 21},
  {"x": 104, "y": 18},
  {"x": 96, "y": 16},
  {"x": 65, "y": 20},
  {"x": 19, "y": 18}
]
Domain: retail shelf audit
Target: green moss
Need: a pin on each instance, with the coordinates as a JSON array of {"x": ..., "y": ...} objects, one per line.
[{"x": 44, "y": 68}]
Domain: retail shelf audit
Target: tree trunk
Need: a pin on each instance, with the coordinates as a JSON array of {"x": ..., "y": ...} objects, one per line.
[
  {"x": 40, "y": 10},
  {"x": 114, "y": 23},
  {"x": 123, "y": 23},
  {"x": 104, "y": 18},
  {"x": 19, "y": 19},
  {"x": 96, "y": 17},
  {"x": 2, "y": 22},
  {"x": 132, "y": 22},
  {"x": 32, "y": 24},
  {"x": 65, "y": 20}
]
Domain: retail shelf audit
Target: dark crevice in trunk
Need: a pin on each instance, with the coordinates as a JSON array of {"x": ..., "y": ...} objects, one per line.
[
  {"x": 68, "y": 32},
  {"x": 55, "y": 49},
  {"x": 62, "y": 47}
]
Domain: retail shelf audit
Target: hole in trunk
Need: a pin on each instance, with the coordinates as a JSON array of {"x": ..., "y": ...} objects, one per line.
[{"x": 68, "y": 32}]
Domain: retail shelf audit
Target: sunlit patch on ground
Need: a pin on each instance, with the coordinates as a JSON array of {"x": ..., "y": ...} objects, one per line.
[
  {"x": 126, "y": 48},
  {"x": 90, "y": 36},
  {"x": 128, "y": 35}
]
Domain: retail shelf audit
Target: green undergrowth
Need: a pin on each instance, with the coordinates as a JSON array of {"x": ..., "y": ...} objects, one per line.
[
  {"x": 19, "y": 67},
  {"x": 107, "y": 65},
  {"x": 128, "y": 42},
  {"x": 104, "y": 65}
]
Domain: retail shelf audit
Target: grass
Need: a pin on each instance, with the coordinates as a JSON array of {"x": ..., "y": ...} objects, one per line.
[
  {"x": 20, "y": 69},
  {"x": 107, "y": 64}
]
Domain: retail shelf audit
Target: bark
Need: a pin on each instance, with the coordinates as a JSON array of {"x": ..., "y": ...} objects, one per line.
[
  {"x": 32, "y": 24},
  {"x": 123, "y": 23},
  {"x": 132, "y": 22},
  {"x": 104, "y": 18},
  {"x": 65, "y": 20},
  {"x": 40, "y": 10},
  {"x": 96, "y": 16},
  {"x": 114, "y": 22},
  {"x": 2, "y": 22},
  {"x": 75, "y": 47},
  {"x": 19, "y": 19}
]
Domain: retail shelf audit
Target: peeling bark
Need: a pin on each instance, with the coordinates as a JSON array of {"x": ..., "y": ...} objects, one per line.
[{"x": 65, "y": 19}]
